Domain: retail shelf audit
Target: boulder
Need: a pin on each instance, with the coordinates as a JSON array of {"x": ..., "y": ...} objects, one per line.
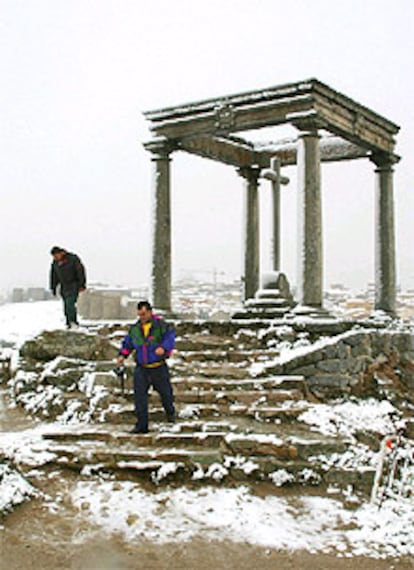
[{"x": 50, "y": 344}]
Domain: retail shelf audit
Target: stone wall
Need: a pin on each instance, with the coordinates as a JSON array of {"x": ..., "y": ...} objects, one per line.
[
  {"x": 356, "y": 362},
  {"x": 106, "y": 305}
]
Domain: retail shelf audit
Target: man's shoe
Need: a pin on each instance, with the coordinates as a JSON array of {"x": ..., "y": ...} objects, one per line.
[
  {"x": 171, "y": 419},
  {"x": 136, "y": 430}
]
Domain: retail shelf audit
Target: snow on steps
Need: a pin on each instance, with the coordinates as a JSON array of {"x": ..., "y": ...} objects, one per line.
[{"x": 187, "y": 453}]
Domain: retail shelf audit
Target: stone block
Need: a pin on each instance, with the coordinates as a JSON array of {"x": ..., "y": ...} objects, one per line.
[
  {"x": 409, "y": 429},
  {"x": 330, "y": 381},
  {"x": 306, "y": 370},
  {"x": 36, "y": 294},
  {"x": 358, "y": 364},
  {"x": 111, "y": 307},
  {"x": 107, "y": 379},
  {"x": 331, "y": 365},
  {"x": 95, "y": 306},
  {"x": 330, "y": 351},
  {"x": 83, "y": 304},
  {"x": 128, "y": 310},
  {"x": 356, "y": 339},
  {"x": 17, "y": 295},
  {"x": 344, "y": 350},
  {"x": 304, "y": 360},
  {"x": 361, "y": 349}
]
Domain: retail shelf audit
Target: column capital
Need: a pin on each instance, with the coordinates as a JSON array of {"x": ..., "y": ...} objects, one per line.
[
  {"x": 308, "y": 129},
  {"x": 160, "y": 148},
  {"x": 250, "y": 173},
  {"x": 384, "y": 161},
  {"x": 308, "y": 123}
]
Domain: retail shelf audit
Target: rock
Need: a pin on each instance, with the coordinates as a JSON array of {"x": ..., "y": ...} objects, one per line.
[
  {"x": 64, "y": 378},
  {"x": 51, "y": 344}
]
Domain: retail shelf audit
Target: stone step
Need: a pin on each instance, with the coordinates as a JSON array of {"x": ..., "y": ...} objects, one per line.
[
  {"x": 188, "y": 447},
  {"x": 211, "y": 370},
  {"x": 209, "y": 341},
  {"x": 269, "y": 294},
  {"x": 274, "y": 382},
  {"x": 288, "y": 413},
  {"x": 196, "y": 465},
  {"x": 267, "y": 303},
  {"x": 258, "y": 313},
  {"x": 290, "y": 410},
  {"x": 183, "y": 385},
  {"x": 195, "y": 439},
  {"x": 233, "y": 396},
  {"x": 204, "y": 426},
  {"x": 283, "y": 448},
  {"x": 225, "y": 356},
  {"x": 255, "y": 455},
  {"x": 115, "y": 459}
]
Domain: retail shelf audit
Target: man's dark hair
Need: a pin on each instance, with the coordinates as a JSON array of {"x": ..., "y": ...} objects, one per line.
[
  {"x": 144, "y": 305},
  {"x": 56, "y": 249}
]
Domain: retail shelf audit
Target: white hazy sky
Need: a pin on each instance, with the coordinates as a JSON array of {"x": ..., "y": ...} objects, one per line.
[{"x": 77, "y": 74}]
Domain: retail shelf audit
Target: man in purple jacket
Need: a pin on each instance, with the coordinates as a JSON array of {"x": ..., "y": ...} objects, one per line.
[{"x": 153, "y": 341}]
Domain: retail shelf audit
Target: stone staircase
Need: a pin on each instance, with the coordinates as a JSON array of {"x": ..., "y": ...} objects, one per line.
[{"x": 231, "y": 426}]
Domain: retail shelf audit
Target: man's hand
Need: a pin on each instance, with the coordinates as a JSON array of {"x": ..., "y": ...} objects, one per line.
[
  {"x": 82, "y": 289},
  {"x": 120, "y": 361},
  {"x": 160, "y": 351}
]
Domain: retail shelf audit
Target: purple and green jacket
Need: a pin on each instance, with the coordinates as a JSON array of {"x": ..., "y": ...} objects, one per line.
[{"x": 160, "y": 334}]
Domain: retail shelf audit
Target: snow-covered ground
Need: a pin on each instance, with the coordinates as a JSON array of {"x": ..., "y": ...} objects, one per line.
[
  {"x": 315, "y": 524},
  {"x": 21, "y": 321}
]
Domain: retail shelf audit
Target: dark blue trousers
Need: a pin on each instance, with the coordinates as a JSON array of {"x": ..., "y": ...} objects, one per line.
[
  {"x": 69, "y": 308},
  {"x": 159, "y": 378}
]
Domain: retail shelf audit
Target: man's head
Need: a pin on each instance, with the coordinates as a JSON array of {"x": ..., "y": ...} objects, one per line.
[
  {"x": 58, "y": 253},
  {"x": 144, "y": 311}
]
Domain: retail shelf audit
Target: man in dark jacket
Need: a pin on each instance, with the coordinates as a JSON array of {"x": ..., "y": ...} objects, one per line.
[
  {"x": 67, "y": 271},
  {"x": 153, "y": 341}
]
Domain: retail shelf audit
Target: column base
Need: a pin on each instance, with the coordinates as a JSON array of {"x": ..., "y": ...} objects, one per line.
[{"x": 311, "y": 312}]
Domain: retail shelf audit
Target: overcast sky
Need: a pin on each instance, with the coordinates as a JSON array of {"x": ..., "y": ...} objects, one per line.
[{"x": 77, "y": 74}]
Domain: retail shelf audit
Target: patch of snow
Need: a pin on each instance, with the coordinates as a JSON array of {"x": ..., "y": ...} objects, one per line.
[
  {"x": 281, "y": 477},
  {"x": 14, "y": 489},
  {"x": 27, "y": 447},
  {"x": 41, "y": 400},
  {"x": 346, "y": 418},
  {"x": 358, "y": 457},
  {"x": 257, "y": 437},
  {"x": 312, "y": 523},
  {"x": 216, "y": 471},
  {"x": 189, "y": 411},
  {"x": 166, "y": 469},
  {"x": 242, "y": 463}
]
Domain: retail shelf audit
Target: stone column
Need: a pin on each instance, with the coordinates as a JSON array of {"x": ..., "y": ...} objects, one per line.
[
  {"x": 275, "y": 165},
  {"x": 251, "y": 238},
  {"x": 161, "y": 224},
  {"x": 385, "y": 276},
  {"x": 309, "y": 280}
]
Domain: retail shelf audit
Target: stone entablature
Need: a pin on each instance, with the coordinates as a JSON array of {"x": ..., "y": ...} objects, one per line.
[{"x": 301, "y": 103}]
